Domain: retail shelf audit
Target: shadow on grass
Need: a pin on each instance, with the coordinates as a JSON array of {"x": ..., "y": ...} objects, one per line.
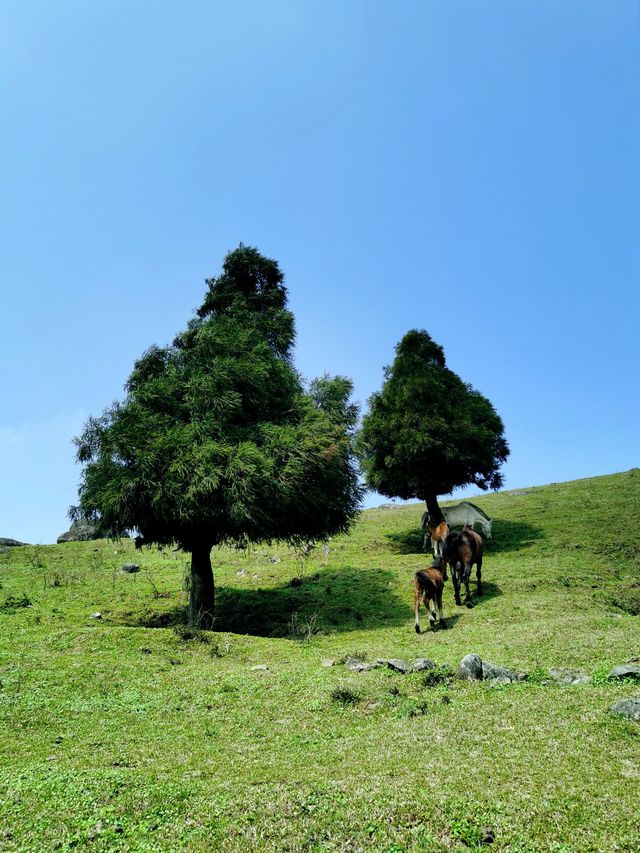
[
  {"x": 512, "y": 536},
  {"x": 332, "y": 600},
  {"x": 507, "y": 536},
  {"x": 450, "y": 618},
  {"x": 407, "y": 542}
]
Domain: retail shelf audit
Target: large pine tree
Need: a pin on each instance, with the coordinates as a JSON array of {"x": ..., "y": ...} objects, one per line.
[
  {"x": 217, "y": 441},
  {"x": 428, "y": 432}
]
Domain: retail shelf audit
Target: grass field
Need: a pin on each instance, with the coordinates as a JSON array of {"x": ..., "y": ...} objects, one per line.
[{"x": 130, "y": 732}]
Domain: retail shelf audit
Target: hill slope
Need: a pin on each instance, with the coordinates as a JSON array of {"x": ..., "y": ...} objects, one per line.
[{"x": 130, "y": 732}]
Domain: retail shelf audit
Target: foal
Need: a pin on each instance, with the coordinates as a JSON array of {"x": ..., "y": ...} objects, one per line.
[
  {"x": 436, "y": 532},
  {"x": 427, "y": 586}
]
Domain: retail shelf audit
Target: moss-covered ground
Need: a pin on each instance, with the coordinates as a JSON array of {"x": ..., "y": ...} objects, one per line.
[{"x": 130, "y": 732}]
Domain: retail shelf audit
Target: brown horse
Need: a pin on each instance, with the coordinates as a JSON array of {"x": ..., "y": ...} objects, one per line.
[
  {"x": 461, "y": 550},
  {"x": 437, "y": 532},
  {"x": 427, "y": 586}
]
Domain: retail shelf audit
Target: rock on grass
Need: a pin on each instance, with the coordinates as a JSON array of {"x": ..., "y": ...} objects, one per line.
[
  {"x": 569, "y": 676},
  {"x": 627, "y": 708},
  {"x": 625, "y": 670},
  {"x": 471, "y": 668}
]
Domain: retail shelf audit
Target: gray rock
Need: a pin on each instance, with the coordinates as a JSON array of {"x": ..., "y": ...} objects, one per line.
[
  {"x": 327, "y": 662},
  {"x": 130, "y": 568},
  {"x": 625, "y": 670},
  {"x": 4, "y": 549},
  {"x": 396, "y": 664},
  {"x": 11, "y": 543},
  {"x": 95, "y": 616},
  {"x": 80, "y": 531},
  {"x": 493, "y": 672},
  {"x": 274, "y": 560},
  {"x": 261, "y": 667},
  {"x": 500, "y": 681},
  {"x": 424, "y": 663},
  {"x": 569, "y": 676},
  {"x": 627, "y": 708},
  {"x": 356, "y": 665},
  {"x": 471, "y": 668}
]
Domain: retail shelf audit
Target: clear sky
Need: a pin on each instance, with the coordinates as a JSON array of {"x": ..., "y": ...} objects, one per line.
[{"x": 466, "y": 167}]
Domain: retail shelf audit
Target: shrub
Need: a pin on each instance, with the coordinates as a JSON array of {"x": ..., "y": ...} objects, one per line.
[
  {"x": 13, "y": 603},
  {"x": 345, "y": 695},
  {"x": 186, "y": 633},
  {"x": 439, "y": 675}
]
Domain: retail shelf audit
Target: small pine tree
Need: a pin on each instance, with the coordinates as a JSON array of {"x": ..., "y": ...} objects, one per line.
[
  {"x": 217, "y": 441},
  {"x": 428, "y": 432}
]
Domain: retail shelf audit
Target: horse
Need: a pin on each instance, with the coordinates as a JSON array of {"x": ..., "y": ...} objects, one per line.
[
  {"x": 427, "y": 586},
  {"x": 466, "y": 514},
  {"x": 436, "y": 532},
  {"x": 461, "y": 550}
]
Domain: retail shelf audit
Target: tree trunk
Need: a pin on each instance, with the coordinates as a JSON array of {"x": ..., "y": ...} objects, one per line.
[
  {"x": 433, "y": 508},
  {"x": 201, "y": 594}
]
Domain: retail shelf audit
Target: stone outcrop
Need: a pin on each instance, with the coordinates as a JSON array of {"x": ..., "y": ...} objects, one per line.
[
  {"x": 625, "y": 670},
  {"x": 471, "y": 668},
  {"x": 80, "y": 531},
  {"x": 627, "y": 708}
]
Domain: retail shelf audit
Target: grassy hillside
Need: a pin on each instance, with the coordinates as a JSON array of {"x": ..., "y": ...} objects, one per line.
[{"x": 131, "y": 733}]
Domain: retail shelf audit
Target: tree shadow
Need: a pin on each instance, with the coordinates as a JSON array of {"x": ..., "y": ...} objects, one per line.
[
  {"x": 512, "y": 536},
  {"x": 407, "y": 542},
  {"x": 331, "y": 600},
  {"x": 345, "y": 599},
  {"x": 506, "y": 536}
]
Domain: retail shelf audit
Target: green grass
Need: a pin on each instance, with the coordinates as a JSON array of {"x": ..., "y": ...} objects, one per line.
[{"x": 134, "y": 733}]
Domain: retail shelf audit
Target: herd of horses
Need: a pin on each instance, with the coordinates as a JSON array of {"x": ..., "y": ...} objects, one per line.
[{"x": 460, "y": 551}]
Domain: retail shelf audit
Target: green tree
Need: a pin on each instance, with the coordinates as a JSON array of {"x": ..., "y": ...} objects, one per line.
[
  {"x": 428, "y": 432},
  {"x": 217, "y": 441}
]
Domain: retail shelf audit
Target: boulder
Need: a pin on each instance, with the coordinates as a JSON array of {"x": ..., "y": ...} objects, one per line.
[
  {"x": 625, "y": 670},
  {"x": 493, "y": 672},
  {"x": 424, "y": 663},
  {"x": 130, "y": 568},
  {"x": 471, "y": 668},
  {"x": 569, "y": 676},
  {"x": 11, "y": 543},
  {"x": 627, "y": 708},
  {"x": 397, "y": 665},
  {"x": 356, "y": 665},
  {"x": 80, "y": 531}
]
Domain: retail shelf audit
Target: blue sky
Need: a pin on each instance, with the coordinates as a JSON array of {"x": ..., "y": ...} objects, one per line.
[{"x": 466, "y": 167}]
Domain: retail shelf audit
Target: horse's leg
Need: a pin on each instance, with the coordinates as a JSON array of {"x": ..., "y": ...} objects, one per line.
[
  {"x": 467, "y": 575},
  {"x": 434, "y": 546},
  {"x": 417, "y": 593},
  {"x": 479, "y": 575},
  {"x": 432, "y": 613},
  {"x": 455, "y": 577},
  {"x": 439, "y": 599}
]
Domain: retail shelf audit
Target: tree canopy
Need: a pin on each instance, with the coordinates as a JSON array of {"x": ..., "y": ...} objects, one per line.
[
  {"x": 217, "y": 440},
  {"x": 428, "y": 432}
]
